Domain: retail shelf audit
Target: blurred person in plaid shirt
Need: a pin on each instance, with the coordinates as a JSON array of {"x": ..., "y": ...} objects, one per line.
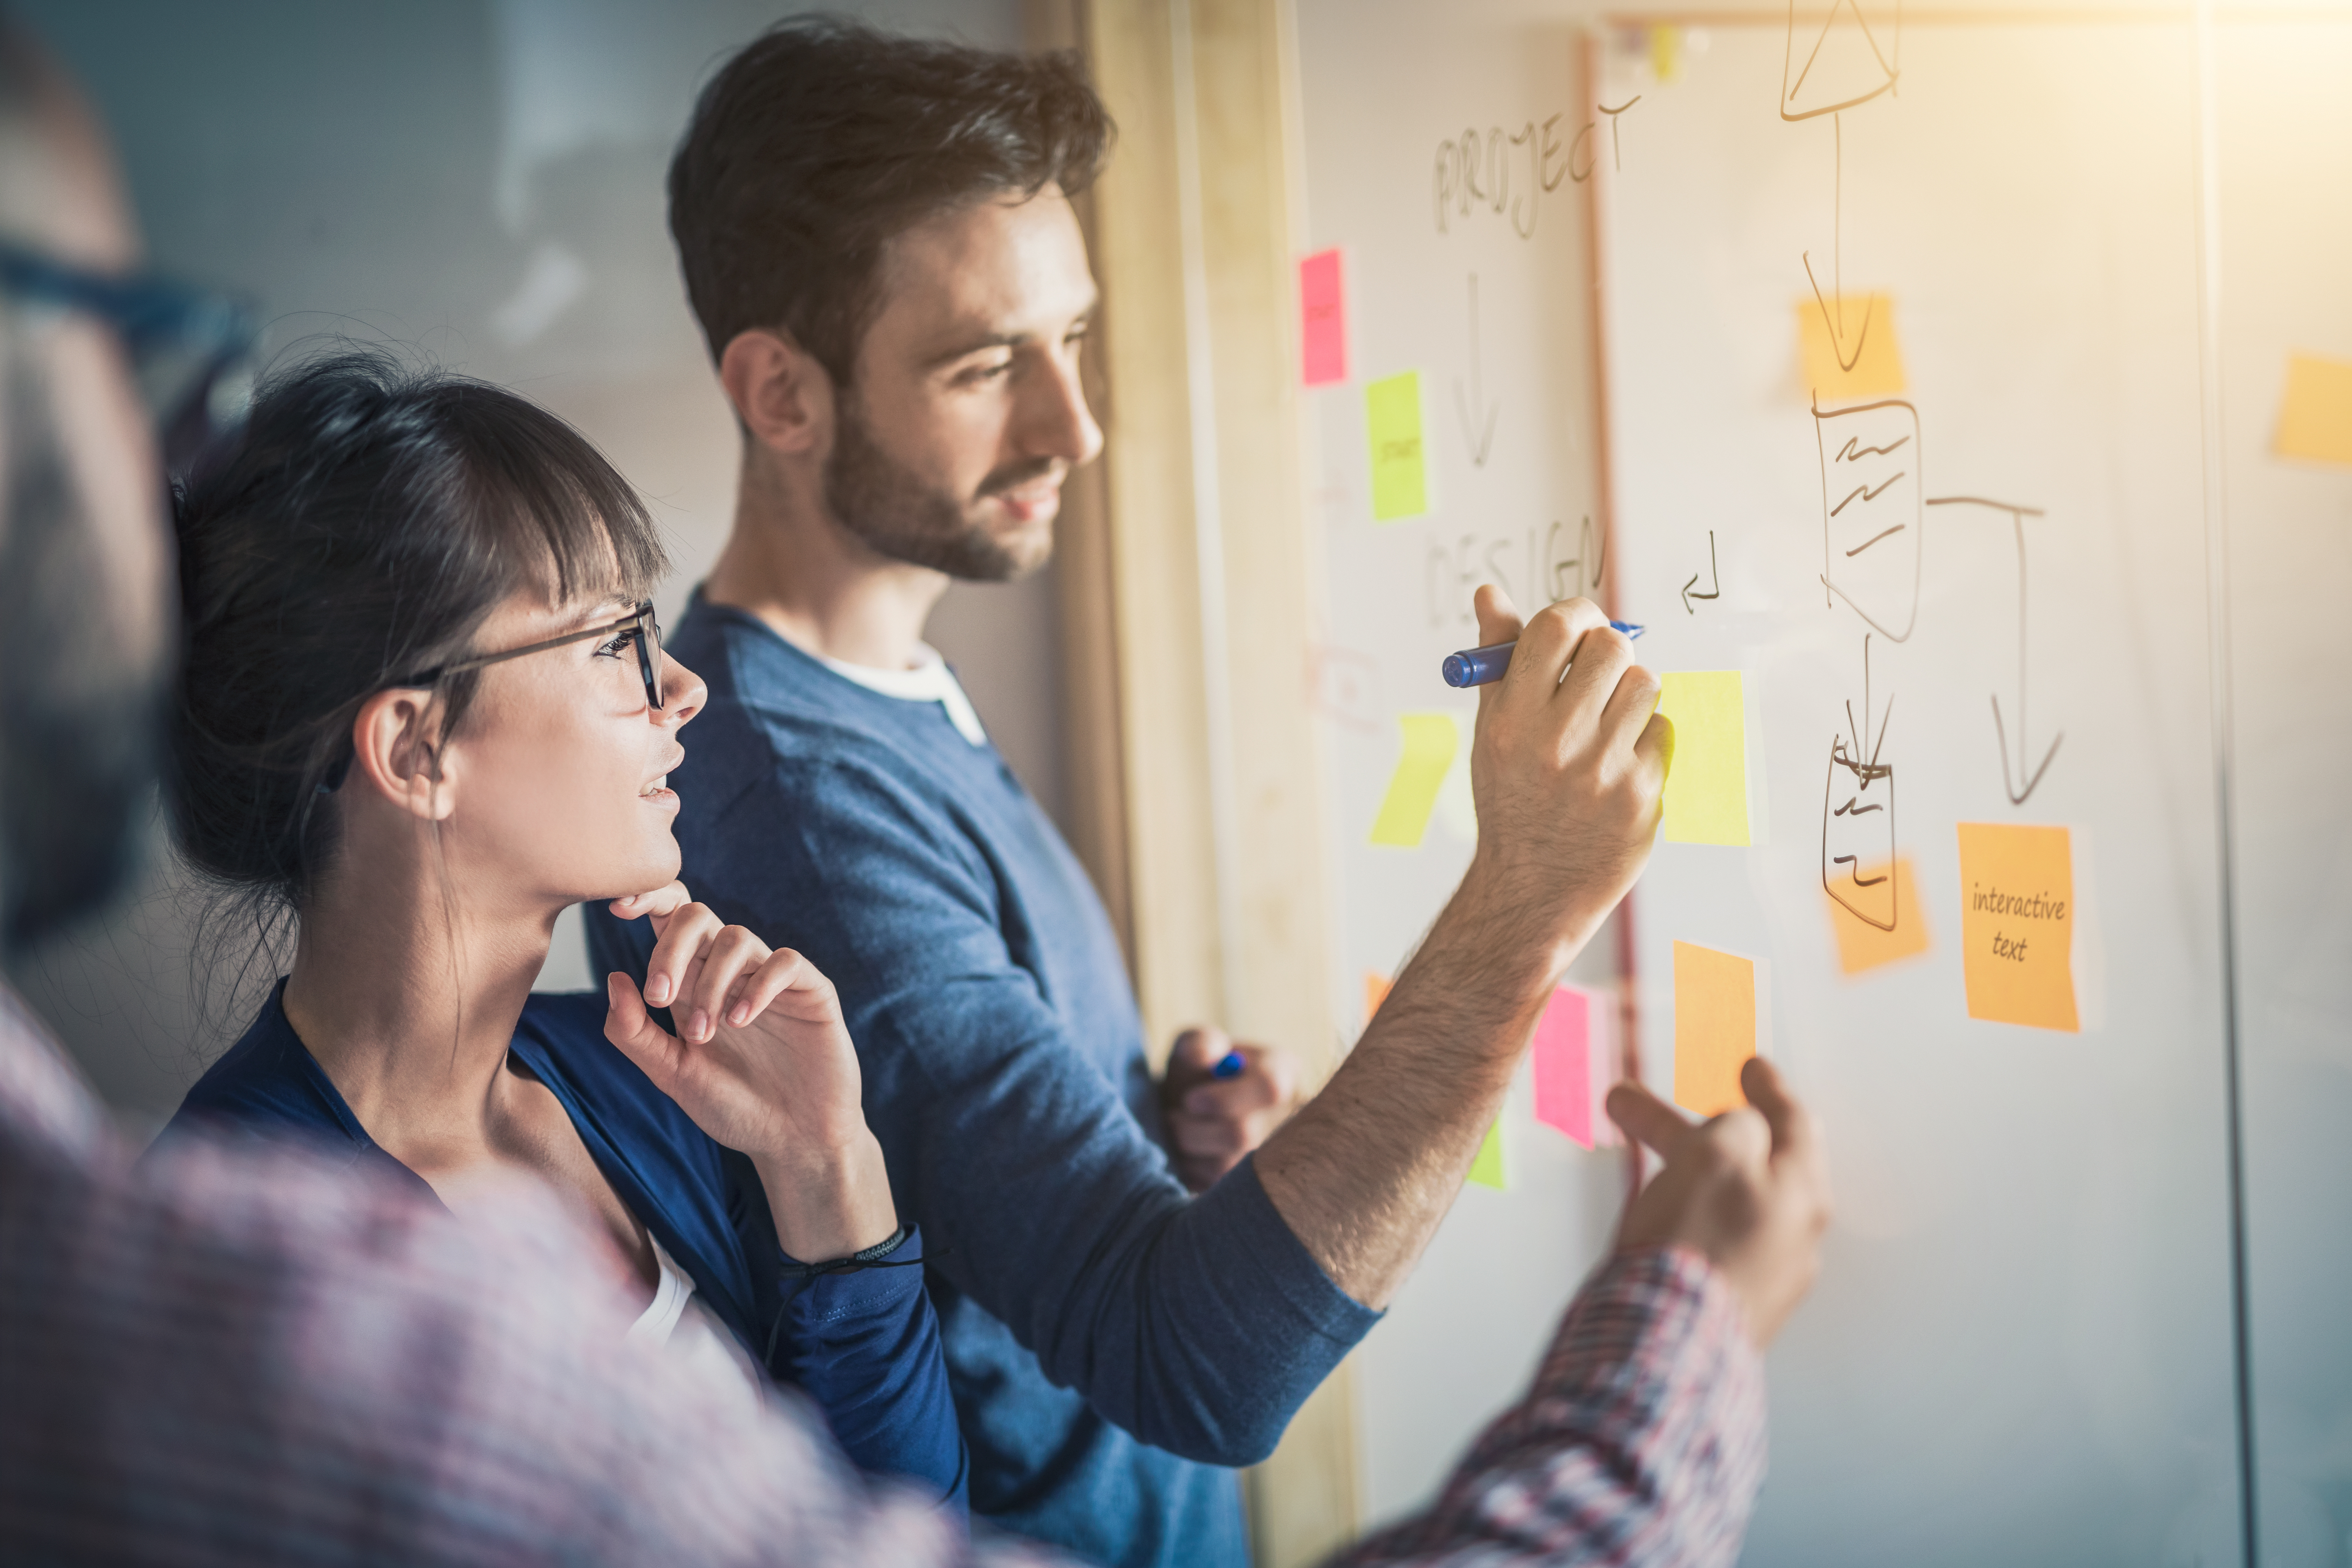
[{"x": 241, "y": 1355}]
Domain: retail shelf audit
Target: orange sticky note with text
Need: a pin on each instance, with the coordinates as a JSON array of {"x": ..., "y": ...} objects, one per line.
[
  {"x": 1861, "y": 944},
  {"x": 2016, "y": 924},
  {"x": 1715, "y": 1027}
]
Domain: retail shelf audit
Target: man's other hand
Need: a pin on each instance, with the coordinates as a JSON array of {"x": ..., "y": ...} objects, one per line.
[
  {"x": 1748, "y": 1188},
  {"x": 1212, "y": 1122}
]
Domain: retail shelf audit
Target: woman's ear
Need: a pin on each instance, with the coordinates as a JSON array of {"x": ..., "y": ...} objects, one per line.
[
  {"x": 397, "y": 753},
  {"x": 782, "y": 396}
]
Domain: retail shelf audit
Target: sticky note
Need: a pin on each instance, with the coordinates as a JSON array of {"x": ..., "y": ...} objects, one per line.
[
  {"x": 1487, "y": 1170},
  {"x": 1376, "y": 991},
  {"x": 2016, "y": 924},
  {"x": 1322, "y": 320},
  {"x": 1862, "y": 945},
  {"x": 1429, "y": 742},
  {"x": 1715, "y": 1027},
  {"x": 1563, "y": 1063},
  {"x": 1856, "y": 332},
  {"x": 2315, "y": 414},
  {"x": 1706, "y": 786},
  {"x": 1392, "y": 429},
  {"x": 1666, "y": 58}
]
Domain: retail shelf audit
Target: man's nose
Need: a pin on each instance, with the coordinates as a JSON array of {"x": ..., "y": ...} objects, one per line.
[{"x": 1057, "y": 422}]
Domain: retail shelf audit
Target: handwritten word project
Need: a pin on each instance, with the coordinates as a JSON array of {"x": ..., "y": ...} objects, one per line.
[
  {"x": 1322, "y": 320},
  {"x": 1715, "y": 1027},
  {"x": 1429, "y": 740},
  {"x": 1392, "y": 433},
  {"x": 2016, "y": 924},
  {"x": 2315, "y": 414},
  {"x": 1706, "y": 785}
]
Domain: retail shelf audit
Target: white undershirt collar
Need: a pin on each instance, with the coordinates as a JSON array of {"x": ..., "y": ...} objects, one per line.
[{"x": 931, "y": 681}]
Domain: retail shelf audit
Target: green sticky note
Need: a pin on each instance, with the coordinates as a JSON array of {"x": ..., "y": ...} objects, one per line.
[
  {"x": 1706, "y": 786},
  {"x": 1487, "y": 1170},
  {"x": 1429, "y": 743},
  {"x": 1392, "y": 428}
]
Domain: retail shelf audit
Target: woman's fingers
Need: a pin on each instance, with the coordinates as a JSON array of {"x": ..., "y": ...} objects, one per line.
[
  {"x": 661, "y": 901},
  {"x": 677, "y": 953},
  {"x": 783, "y": 971},
  {"x": 729, "y": 955},
  {"x": 635, "y": 1034}
]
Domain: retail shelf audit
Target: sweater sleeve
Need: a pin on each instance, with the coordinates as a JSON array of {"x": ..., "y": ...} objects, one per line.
[
  {"x": 864, "y": 1346},
  {"x": 1640, "y": 1441},
  {"x": 1199, "y": 1325}
]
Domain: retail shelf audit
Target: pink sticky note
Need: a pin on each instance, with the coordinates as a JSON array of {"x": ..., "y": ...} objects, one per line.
[
  {"x": 1563, "y": 1053},
  {"x": 1323, "y": 316}
]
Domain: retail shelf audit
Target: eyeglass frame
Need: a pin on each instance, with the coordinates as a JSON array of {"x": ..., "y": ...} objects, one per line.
[
  {"x": 649, "y": 654},
  {"x": 146, "y": 312}
]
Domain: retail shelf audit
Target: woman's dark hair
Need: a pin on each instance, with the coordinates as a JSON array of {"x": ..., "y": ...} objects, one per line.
[
  {"x": 823, "y": 139},
  {"x": 367, "y": 520}
]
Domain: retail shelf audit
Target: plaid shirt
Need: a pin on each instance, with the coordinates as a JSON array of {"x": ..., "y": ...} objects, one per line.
[{"x": 238, "y": 1357}]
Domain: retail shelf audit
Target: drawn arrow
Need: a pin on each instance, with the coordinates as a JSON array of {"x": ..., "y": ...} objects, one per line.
[
  {"x": 1835, "y": 319},
  {"x": 1715, "y": 579},
  {"x": 2017, "y": 791},
  {"x": 1480, "y": 437}
]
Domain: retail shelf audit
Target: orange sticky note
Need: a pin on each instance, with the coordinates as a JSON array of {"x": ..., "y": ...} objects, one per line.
[
  {"x": 2016, "y": 924},
  {"x": 1846, "y": 346},
  {"x": 1861, "y": 943},
  {"x": 2315, "y": 414},
  {"x": 1376, "y": 991},
  {"x": 1715, "y": 1027}
]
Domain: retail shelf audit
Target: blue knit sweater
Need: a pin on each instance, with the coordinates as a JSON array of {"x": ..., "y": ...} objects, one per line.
[{"x": 1112, "y": 1343}]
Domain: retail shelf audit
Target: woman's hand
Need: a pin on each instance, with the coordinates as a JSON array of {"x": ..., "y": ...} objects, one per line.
[{"x": 764, "y": 1064}]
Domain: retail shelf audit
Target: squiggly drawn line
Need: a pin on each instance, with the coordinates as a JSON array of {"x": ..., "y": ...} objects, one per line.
[
  {"x": 1866, "y": 493},
  {"x": 1853, "y": 448},
  {"x": 1874, "y": 538}
]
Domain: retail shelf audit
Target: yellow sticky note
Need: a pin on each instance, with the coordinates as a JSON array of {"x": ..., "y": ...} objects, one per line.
[
  {"x": 1429, "y": 742},
  {"x": 1392, "y": 428},
  {"x": 1846, "y": 346},
  {"x": 1715, "y": 1027},
  {"x": 1864, "y": 946},
  {"x": 2016, "y": 923},
  {"x": 2315, "y": 414},
  {"x": 1706, "y": 786},
  {"x": 1487, "y": 1170}
]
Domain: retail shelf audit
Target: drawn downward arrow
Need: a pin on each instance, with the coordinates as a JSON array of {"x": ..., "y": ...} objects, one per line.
[
  {"x": 2022, "y": 785},
  {"x": 1714, "y": 578},
  {"x": 1480, "y": 436}
]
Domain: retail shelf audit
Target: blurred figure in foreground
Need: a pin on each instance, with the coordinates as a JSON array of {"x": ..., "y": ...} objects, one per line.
[{"x": 241, "y": 1357}]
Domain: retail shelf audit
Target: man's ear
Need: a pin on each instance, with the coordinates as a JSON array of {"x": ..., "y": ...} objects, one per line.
[
  {"x": 397, "y": 753},
  {"x": 782, "y": 396}
]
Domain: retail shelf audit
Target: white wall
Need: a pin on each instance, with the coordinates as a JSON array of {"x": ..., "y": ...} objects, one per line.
[{"x": 481, "y": 180}]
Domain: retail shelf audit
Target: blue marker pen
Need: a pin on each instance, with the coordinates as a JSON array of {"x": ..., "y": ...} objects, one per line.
[
  {"x": 1477, "y": 666},
  {"x": 1230, "y": 1065}
]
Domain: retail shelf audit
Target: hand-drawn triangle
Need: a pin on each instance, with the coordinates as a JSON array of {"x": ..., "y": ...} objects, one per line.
[{"x": 1844, "y": 63}]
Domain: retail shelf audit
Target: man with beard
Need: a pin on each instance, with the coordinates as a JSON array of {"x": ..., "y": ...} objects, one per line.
[
  {"x": 876, "y": 237},
  {"x": 247, "y": 1357}
]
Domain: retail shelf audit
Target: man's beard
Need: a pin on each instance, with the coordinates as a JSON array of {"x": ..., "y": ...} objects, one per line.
[{"x": 894, "y": 513}]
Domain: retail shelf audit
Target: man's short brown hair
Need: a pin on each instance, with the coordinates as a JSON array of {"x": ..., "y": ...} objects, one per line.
[{"x": 825, "y": 139}]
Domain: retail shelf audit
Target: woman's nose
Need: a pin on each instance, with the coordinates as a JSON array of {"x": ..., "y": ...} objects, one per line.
[{"x": 683, "y": 693}]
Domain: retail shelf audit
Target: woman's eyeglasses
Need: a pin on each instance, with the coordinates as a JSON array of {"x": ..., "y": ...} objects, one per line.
[
  {"x": 640, "y": 622},
  {"x": 191, "y": 351}
]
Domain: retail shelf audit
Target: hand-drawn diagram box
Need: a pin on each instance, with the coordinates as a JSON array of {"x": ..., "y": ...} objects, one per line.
[
  {"x": 1871, "y": 512},
  {"x": 1858, "y": 836}
]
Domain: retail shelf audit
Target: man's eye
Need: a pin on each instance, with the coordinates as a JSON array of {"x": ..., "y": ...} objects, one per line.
[
  {"x": 618, "y": 646},
  {"x": 981, "y": 373}
]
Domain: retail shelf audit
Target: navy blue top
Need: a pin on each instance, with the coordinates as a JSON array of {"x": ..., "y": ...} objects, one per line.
[
  {"x": 1112, "y": 1341},
  {"x": 864, "y": 1346}
]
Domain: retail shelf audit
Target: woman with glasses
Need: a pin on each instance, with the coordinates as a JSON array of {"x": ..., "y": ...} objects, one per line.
[{"x": 424, "y": 710}]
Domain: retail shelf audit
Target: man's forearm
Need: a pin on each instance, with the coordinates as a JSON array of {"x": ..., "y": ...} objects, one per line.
[{"x": 1365, "y": 1170}]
